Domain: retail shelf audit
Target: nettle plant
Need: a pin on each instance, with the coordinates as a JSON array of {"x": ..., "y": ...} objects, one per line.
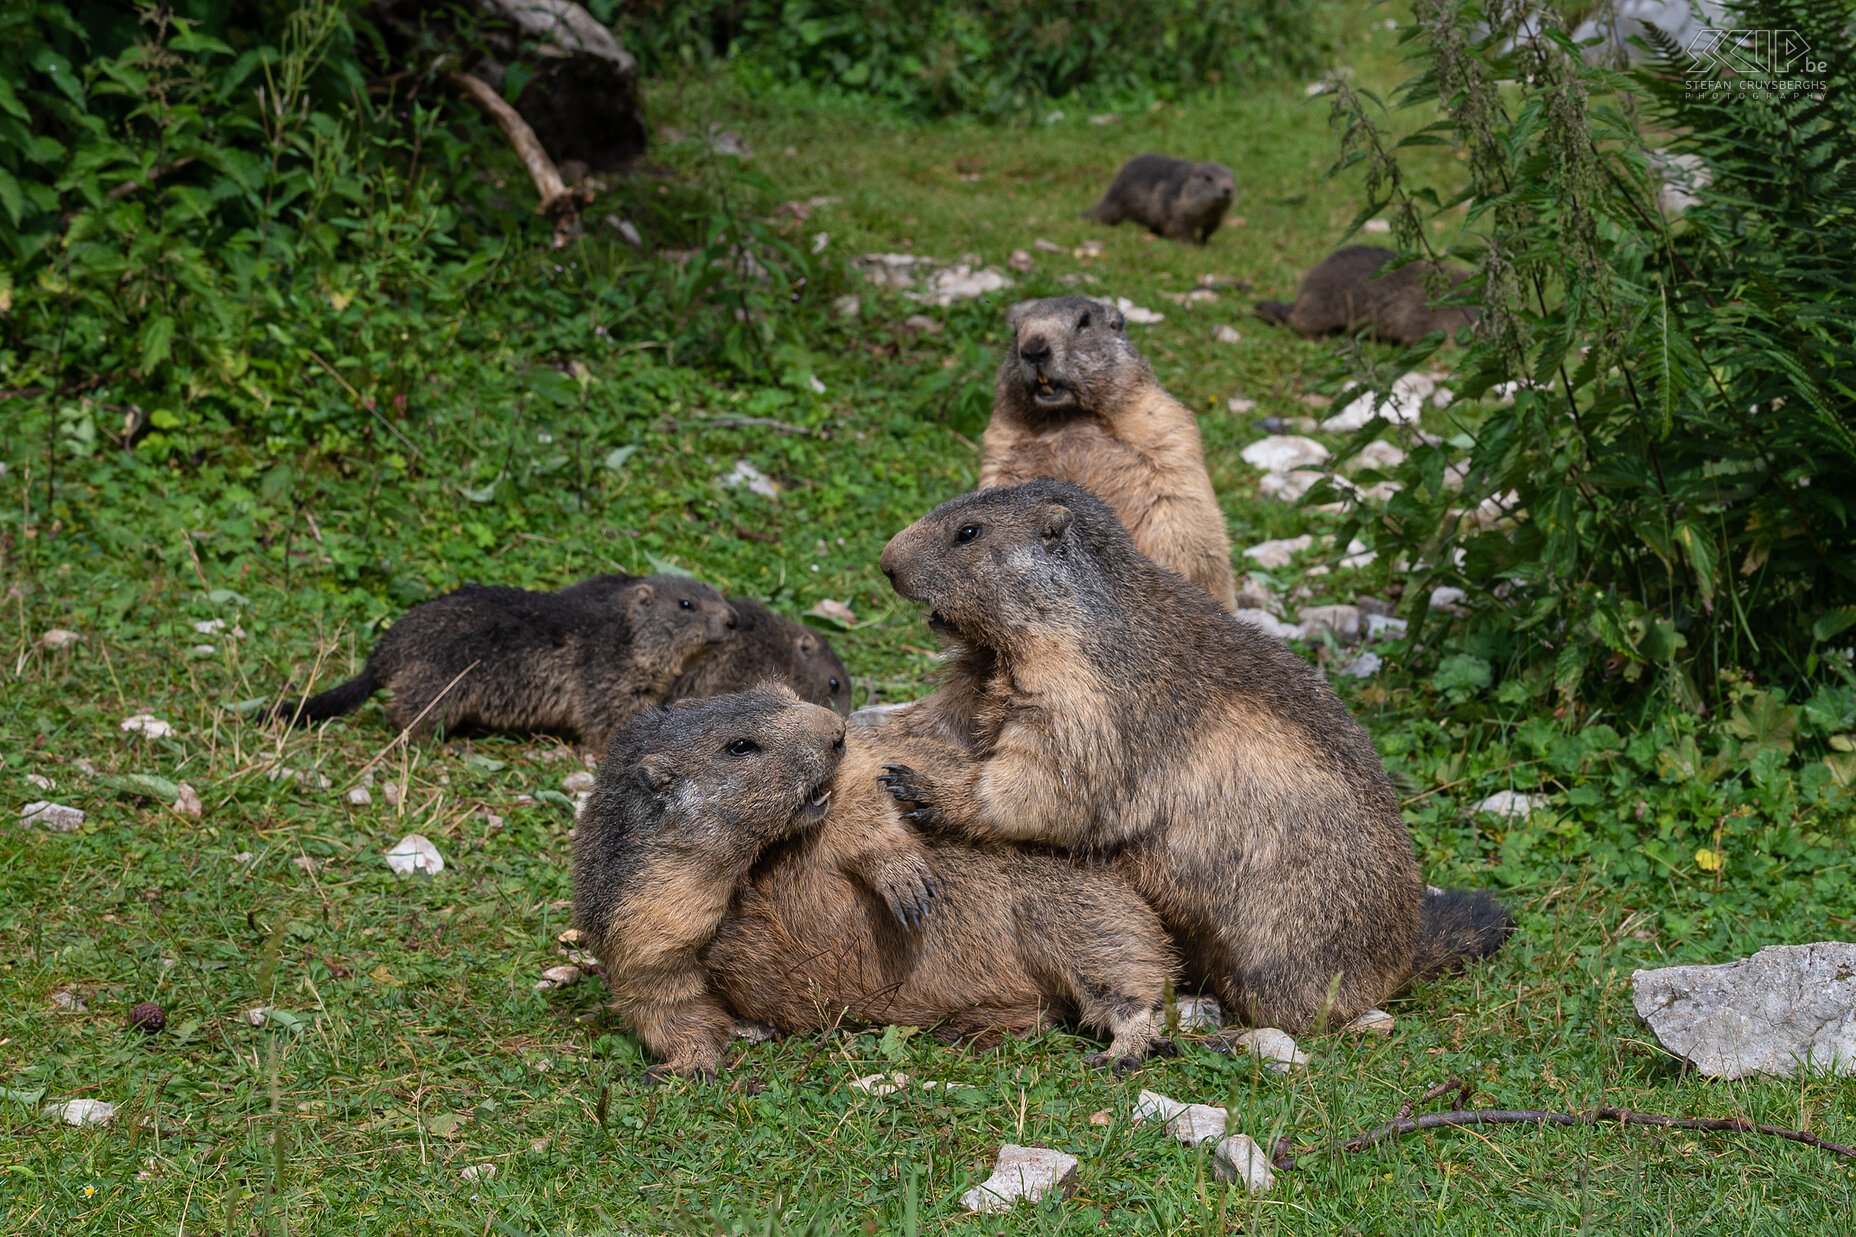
[{"x": 1658, "y": 409}]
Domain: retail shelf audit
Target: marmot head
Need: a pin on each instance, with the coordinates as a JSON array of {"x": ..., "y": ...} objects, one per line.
[
  {"x": 675, "y": 617},
  {"x": 1208, "y": 186},
  {"x": 1002, "y": 564},
  {"x": 737, "y": 772},
  {"x": 815, "y": 665},
  {"x": 1069, "y": 354}
]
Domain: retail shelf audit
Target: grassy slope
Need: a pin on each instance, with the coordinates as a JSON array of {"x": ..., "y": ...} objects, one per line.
[{"x": 423, "y": 1048}]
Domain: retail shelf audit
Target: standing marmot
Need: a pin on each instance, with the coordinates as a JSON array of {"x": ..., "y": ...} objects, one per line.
[
  {"x": 718, "y": 872},
  {"x": 1116, "y": 712},
  {"x": 1076, "y": 402},
  {"x": 1347, "y": 293},
  {"x": 766, "y": 646},
  {"x": 494, "y": 658},
  {"x": 1175, "y": 198}
]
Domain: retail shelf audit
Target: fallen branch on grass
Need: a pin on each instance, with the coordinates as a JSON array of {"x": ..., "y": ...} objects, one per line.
[{"x": 558, "y": 202}]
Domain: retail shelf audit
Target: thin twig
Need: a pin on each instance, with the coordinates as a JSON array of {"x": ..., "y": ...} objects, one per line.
[
  {"x": 128, "y": 187},
  {"x": 729, "y": 420}
]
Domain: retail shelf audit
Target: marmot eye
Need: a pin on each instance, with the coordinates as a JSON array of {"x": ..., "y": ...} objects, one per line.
[
  {"x": 684, "y": 604},
  {"x": 743, "y": 747},
  {"x": 834, "y": 682},
  {"x": 967, "y": 533},
  {"x": 1082, "y": 323}
]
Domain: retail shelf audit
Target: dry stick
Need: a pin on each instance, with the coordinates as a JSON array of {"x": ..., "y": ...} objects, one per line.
[
  {"x": 401, "y": 736},
  {"x": 558, "y": 202}
]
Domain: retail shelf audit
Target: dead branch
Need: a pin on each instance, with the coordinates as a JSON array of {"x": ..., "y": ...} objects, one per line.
[{"x": 558, "y": 202}]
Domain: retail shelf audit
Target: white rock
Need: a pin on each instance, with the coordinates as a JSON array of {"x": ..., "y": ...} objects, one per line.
[
  {"x": 56, "y": 817},
  {"x": 1276, "y": 1049},
  {"x": 477, "y": 1172},
  {"x": 922, "y": 324},
  {"x": 817, "y": 387},
  {"x": 359, "y": 796},
  {"x": 756, "y": 481},
  {"x": 1509, "y": 803},
  {"x": 1378, "y": 454},
  {"x": 188, "y": 802},
  {"x": 1240, "y": 406},
  {"x": 1362, "y": 666},
  {"x": 204, "y": 650},
  {"x": 66, "y": 1001},
  {"x": 1020, "y": 261},
  {"x": 1197, "y": 1123},
  {"x": 1200, "y": 1013},
  {"x": 1269, "y": 623},
  {"x": 1358, "y": 555},
  {"x": 577, "y": 782},
  {"x": 960, "y": 283},
  {"x": 1278, "y": 553},
  {"x": 59, "y": 638},
  {"x": 1288, "y": 487},
  {"x": 1284, "y": 453},
  {"x": 1226, "y": 334},
  {"x": 1372, "y": 1022},
  {"x": 1385, "y": 626},
  {"x": 1786, "y": 1009},
  {"x": 40, "y": 782},
  {"x": 244, "y": 858},
  {"x": 147, "y": 725},
  {"x": 847, "y": 306},
  {"x": 1153, "y": 1106},
  {"x": 1134, "y": 313},
  {"x": 1048, "y": 246},
  {"x": 629, "y": 233},
  {"x": 1342, "y": 622},
  {"x": 83, "y": 1112},
  {"x": 257, "y": 1015},
  {"x": 1022, "y": 1174},
  {"x": 1377, "y": 227},
  {"x": 415, "y": 853},
  {"x": 1104, "y": 118},
  {"x": 207, "y": 627},
  {"x": 1447, "y": 597},
  {"x": 820, "y": 242},
  {"x": 758, "y": 1033},
  {"x": 561, "y": 976},
  {"x": 1239, "y": 1158},
  {"x": 1402, "y": 405},
  {"x": 880, "y": 1084}
]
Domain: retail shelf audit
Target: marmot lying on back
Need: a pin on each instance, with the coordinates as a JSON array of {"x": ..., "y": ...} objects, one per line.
[
  {"x": 494, "y": 658},
  {"x": 735, "y": 861},
  {"x": 1175, "y": 198},
  {"x": 1112, "y": 710},
  {"x": 1075, "y": 401},
  {"x": 1347, "y": 293},
  {"x": 767, "y": 647}
]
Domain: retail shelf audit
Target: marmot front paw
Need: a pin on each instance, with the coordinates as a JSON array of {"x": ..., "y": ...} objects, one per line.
[
  {"x": 909, "y": 788},
  {"x": 908, "y": 886}
]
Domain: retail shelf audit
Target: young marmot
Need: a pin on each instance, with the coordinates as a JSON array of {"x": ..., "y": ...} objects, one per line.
[
  {"x": 1114, "y": 711},
  {"x": 766, "y": 647},
  {"x": 1347, "y": 293},
  {"x": 1175, "y": 198},
  {"x": 735, "y": 861},
  {"x": 494, "y": 658},
  {"x": 1075, "y": 401}
]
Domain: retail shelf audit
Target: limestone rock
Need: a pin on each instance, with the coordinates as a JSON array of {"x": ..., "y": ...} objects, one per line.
[
  {"x": 1509, "y": 803},
  {"x": 1239, "y": 1158},
  {"x": 53, "y": 816},
  {"x": 578, "y": 782},
  {"x": 1153, "y": 1106},
  {"x": 1022, "y": 1174},
  {"x": 1344, "y": 623},
  {"x": 415, "y": 853},
  {"x": 1785, "y": 1009},
  {"x": 59, "y": 638},
  {"x": 83, "y": 1112},
  {"x": 1224, "y": 333},
  {"x": 1278, "y": 553},
  {"x": 1270, "y": 624},
  {"x": 1372, "y": 1022},
  {"x": 1284, "y": 453},
  {"x": 1288, "y": 487},
  {"x": 1275, "y": 1048},
  {"x": 1197, "y": 1123},
  {"x": 1200, "y": 1013}
]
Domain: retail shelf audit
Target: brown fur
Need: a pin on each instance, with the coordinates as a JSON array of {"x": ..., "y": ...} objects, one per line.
[
  {"x": 1175, "y": 198},
  {"x": 1075, "y": 401},
  {"x": 580, "y": 662},
  {"x": 852, "y": 918},
  {"x": 1115, "y": 712},
  {"x": 1347, "y": 292}
]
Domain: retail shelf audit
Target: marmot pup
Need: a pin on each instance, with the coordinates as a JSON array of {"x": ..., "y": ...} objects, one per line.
[
  {"x": 734, "y": 861},
  {"x": 1116, "y": 712},
  {"x": 1075, "y": 401},
  {"x": 1347, "y": 293},
  {"x": 494, "y": 658},
  {"x": 766, "y": 647},
  {"x": 1175, "y": 198}
]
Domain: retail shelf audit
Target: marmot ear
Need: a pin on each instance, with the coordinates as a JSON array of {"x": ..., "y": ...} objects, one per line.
[
  {"x": 1056, "y": 522},
  {"x": 1117, "y": 321},
  {"x": 806, "y": 644},
  {"x": 657, "y": 771},
  {"x": 641, "y": 596},
  {"x": 1017, "y": 313}
]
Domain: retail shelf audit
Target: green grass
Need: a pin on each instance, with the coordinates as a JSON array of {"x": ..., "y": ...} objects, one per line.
[{"x": 418, "y": 1046}]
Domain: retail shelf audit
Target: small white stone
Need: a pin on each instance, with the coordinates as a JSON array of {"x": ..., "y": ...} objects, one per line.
[
  {"x": 243, "y": 858},
  {"x": 1240, "y": 406},
  {"x": 1197, "y": 1123},
  {"x": 880, "y": 1084},
  {"x": 1224, "y": 333},
  {"x": 1105, "y": 118},
  {"x": 848, "y": 306},
  {"x": 1269, "y": 624},
  {"x": 561, "y": 976},
  {"x": 59, "y": 638},
  {"x": 56, "y": 817},
  {"x": 922, "y": 324},
  {"x": 477, "y": 1172},
  {"x": 1239, "y": 1159},
  {"x": 578, "y": 782},
  {"x": 756, "y": 481},
  {"x": 41, "y": 782},
  {"x": 1200, "y": 1013},
  {"x": 1378, "y": 454},
  {"x": 1358, "y": 555},
  {"x": 257, "y": 1015},
  {"x": 1447, "y": 597},
  {"x": 204, "y": 650},
  {"x": 1277, "y": 553},
  {"x": 208, "y": 627},
  {"x": 415, "y": 853},
  {"x": 628, "y": 232},
  {"x": 147, "y": 725},
  {"x": 1372, "y": 1022},
  {"x": 1274, "y": 1046},
  {"x": 1509, "y": 803},
  {"x": 66, "y": 1001},
  {"x": 1153, "y": 1106},
  {"x": 390, "y": 791},
  {"x": 1362, "y": 666},
  {"x": 359, "y": 796},
  {"x": 1047, "y": 246},
  {"x": 1021, "y": 261},
  {"x": 755, "y": 1032},
  {"x": 1342, "y": 622},
  {"x": 1022, "y": 1174},
  {"x": 821, "y": 241},
  {"x": 1288, "y": 487},
  {"x": 188, "y": 802},
  {"x": 83, "y": 1112},
  {"x": 1385, "y": 626},
  {"x": 1134, "y": 313},
  {"x": 1284, "y": 453},
  {"x": 818, "y": 387}
]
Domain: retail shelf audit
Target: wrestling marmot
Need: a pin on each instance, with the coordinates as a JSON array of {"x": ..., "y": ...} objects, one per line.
[
  {"x": 1347, "y": 293},
  {"x": 494, "y": 658},
  {"x": 766, "y": 647},
  {"x": 1075, "y": 401},
  {"x": 1115, "y": 712},
  {"x": 734, "y": 861},
  {"x": 1175, "y": 198}
]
